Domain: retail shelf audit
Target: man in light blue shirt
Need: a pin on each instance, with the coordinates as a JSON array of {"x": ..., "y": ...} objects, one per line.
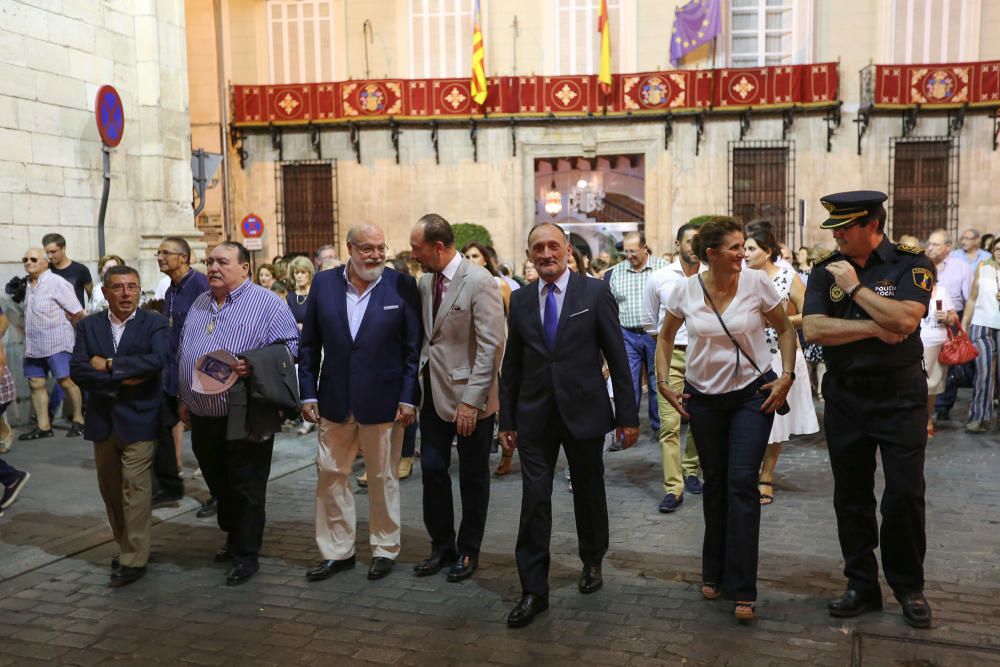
[{"x": 970, "y": 251}]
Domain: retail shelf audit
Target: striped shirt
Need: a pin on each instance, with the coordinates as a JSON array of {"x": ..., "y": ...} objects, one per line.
[
  {"x": 46, "y": 329},
  {"x": 252, "y": 317},
  {"x": 628, "y": 286}
]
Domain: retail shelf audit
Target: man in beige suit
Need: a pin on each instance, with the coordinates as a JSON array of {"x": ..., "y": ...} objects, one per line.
[{"x": 459, "y": 365}]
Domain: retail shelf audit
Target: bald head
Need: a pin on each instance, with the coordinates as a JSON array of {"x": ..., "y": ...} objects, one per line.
[
  {"x": 364, "y": 230},
  {"x": 366, "y": 245},
  {"x": 35, "y": 261}
]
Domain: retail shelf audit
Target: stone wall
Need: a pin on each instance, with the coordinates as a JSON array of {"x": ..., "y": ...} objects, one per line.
[{"x": 53, "y": 58}]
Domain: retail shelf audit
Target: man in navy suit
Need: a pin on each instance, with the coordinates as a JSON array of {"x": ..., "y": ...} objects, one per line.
[
  {"x": 363, "y": 321},
  {"x": 552, "y": 392},
  {"x": 118, "y": 358}
]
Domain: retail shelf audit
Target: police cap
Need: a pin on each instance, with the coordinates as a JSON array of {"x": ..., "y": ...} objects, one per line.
[{"x": 846, "y": 207}]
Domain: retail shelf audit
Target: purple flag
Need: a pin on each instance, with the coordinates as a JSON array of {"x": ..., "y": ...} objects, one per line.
[{"x": 696, "y": 23}]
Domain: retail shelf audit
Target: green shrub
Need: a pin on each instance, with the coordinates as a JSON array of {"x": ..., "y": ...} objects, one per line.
[{"x": 468, "y": 231}]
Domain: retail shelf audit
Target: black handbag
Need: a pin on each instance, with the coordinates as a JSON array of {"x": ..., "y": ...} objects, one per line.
[{"x": 783, "y": 409}]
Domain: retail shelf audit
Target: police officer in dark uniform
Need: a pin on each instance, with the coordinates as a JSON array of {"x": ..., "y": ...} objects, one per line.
[{"x": 864, "y": 304}]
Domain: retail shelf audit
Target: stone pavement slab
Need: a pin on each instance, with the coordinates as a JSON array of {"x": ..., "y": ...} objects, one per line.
[{"x": 649, "y": 612}]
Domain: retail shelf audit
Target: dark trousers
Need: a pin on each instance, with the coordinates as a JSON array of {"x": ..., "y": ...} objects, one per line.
[
  {"x": 946, "y": 399},
  {"x": 889, "y": 415},
  {"x": 731, "y": 434},
  {"x": 166, "y": 476},
  {"x": 590, "y": 505},
  {"x": 410, "y": 440},
  {"x": 641, "y": 351},
  {"x": 236, "y": 472},
  {"x": 436, "y": 436}
]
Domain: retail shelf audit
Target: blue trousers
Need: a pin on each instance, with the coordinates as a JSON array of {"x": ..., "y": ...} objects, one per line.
[
  {"x": 641, "y": 350},
  {"x": 731, "y": 434}
]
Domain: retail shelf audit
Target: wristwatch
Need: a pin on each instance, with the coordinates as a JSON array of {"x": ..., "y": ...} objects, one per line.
[
  {"x": 790, "y": 374},
  {"x": 107, "y": 364}
]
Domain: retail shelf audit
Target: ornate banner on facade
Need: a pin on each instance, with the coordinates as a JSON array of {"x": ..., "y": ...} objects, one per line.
[
  {"x": 642, "y": 93},
  {"x": 944, "y": 85}
]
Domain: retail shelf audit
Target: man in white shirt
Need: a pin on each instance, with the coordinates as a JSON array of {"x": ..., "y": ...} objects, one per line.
[{"x": 678, "y": 474}]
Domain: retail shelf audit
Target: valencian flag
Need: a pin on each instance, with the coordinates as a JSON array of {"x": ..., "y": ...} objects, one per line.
[
  {"x": 604, "y": 73},
  {"x": 478, "y": 86},
  {"x": 696, "y": 23}
]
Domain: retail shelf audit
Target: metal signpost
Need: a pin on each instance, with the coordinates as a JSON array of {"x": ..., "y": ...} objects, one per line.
[{"x": 111, "y": 126}]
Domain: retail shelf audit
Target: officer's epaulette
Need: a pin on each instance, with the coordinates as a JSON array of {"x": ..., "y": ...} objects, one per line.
[
  {"x": 909, "y": 249},
  {"x": 826, "y": 256}
]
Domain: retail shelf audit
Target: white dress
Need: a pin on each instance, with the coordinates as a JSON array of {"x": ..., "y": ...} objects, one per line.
[{"x": 801, "y": 418}]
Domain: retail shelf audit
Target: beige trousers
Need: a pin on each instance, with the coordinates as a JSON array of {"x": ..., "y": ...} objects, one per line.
[
  {"x": 336, "y": 518},
  {"x": 124, "y": 478},
  {"x": 675, "y": 467}
]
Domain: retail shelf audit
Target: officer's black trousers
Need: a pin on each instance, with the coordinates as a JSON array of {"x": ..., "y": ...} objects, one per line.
[{"x": 888, "y": 414}]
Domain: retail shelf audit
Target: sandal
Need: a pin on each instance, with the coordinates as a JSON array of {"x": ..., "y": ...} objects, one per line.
[
  {"x": 765, "y": 498},
  {"x": 36, "y": 434},
  {"x": 710, "y": 591},
  {"x": 744, "y": 611}
]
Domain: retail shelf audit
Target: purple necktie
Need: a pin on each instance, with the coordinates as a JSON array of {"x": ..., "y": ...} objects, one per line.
[{"x": 551, "y": 319}]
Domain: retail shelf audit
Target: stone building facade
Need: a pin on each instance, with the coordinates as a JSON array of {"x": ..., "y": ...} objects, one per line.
[
  {"x": 53, "y": 58},
  {"x": 291, "y": 41}
]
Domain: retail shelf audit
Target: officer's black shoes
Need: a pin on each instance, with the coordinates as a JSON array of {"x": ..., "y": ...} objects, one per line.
[
  {"x": 916, "y": 610},
  {"x": 854, "y": 603}
]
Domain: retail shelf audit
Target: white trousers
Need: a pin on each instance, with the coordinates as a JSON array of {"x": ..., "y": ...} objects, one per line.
[{"x": 336, "y": 518}]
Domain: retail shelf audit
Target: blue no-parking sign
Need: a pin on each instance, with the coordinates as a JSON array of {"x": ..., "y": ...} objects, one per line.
[
  {"x": 252, "y": 226},
  {"x": 110, "y": 116}
]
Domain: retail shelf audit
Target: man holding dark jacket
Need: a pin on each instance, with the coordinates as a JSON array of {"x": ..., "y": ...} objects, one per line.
[
  {"x": 118, "y": 359},
  {"x": 233, "y": 318}
]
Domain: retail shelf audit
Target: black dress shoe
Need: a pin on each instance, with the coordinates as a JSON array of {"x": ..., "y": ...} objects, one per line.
[
  {"x": 463, "y": 568},
  {"x": 125, "y": 575},
  {"x": 380, "y": 567},
  {"x": 210, "y": 508},
  {"x": 224, "y": 555},
  {"x": 916, "y": 609},
  {"x": 241, "y": 572},
  {"x": 854, "y": 603},
  {"x": 162, "y": 499},
  {"x": 590, "y": 579},
  {"x": 524, "y": 613},
  {"x": 328, "y": 568},
  {"x": 433, "y": 563}
]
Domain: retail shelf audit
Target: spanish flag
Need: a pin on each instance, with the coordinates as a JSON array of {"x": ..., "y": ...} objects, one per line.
[
  {"x": 604, "y": 74},
  {"x": 478, "y": 85}
]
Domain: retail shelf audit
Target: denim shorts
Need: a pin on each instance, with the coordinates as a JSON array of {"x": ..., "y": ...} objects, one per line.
[{"x": 57, "y": 364}]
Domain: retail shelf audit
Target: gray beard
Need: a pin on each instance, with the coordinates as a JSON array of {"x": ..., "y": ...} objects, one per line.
[{"x": 369, "y": 273}]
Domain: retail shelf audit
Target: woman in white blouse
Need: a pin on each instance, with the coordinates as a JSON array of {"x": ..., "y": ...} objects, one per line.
[
  {"x": 730, "y": 396},
  {"x": 933, "y": 334},
  {"x": 982, "y": 320}
]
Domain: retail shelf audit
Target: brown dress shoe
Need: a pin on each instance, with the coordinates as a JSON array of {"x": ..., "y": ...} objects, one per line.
[{"x": 503, "y": 468}]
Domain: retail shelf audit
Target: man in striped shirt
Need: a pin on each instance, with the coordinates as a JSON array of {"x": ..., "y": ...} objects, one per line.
[
  {"x": 628, "y": 283},
  {"x": 236, "y": 316},
  {"x": 51, "y": 310}
]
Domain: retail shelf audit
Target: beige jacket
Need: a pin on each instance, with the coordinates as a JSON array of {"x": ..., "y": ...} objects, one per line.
[{"x": 463, "y": 346}]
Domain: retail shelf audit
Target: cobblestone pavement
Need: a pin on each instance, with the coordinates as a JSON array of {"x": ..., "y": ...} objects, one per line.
[{"x": 56, "y": 608}]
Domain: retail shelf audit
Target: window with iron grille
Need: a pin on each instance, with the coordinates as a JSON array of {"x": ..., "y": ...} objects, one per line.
[
  {"x": 307, "y": 207},
  {"x": 923, "y": 186},
  {"x": 762, "y": 183}
]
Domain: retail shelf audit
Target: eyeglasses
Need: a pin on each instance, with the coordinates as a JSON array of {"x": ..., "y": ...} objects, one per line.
[
  {"x": 369, "y": 250},
  {"x": 121, "y": 288},
  {"x": 631, "y": 253},
  {"x": 167, "y": 253},
  {"x": 25, "y": 260}
]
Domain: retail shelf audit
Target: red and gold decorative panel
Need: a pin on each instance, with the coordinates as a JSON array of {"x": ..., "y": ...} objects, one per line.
[
  {"x": 647, "y": 92},
  {"x": 940, "y": 85}
]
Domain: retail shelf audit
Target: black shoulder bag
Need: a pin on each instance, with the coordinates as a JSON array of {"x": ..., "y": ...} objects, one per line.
[{"x": 783, "y": 409}]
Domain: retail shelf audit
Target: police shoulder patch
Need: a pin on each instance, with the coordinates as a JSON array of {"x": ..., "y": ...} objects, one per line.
[
  {"x": 923, "y": 279},
  {"x": 822, "y": 257},
  {"x": 913, "y": 250}
]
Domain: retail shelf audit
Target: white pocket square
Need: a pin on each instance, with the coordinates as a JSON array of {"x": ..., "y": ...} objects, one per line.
[
  {"x": 580, "y": 312},
  {"x": 392, "y": 307}
]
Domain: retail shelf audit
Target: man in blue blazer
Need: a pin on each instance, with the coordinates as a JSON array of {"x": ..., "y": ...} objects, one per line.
[
  {"x": 118, "y": 359},
  {"x": 552, "y": 393},
  {"x": 363, "y": 321}
]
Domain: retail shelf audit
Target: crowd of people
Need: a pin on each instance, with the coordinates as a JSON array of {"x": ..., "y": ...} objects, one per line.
[{"x": 723, "y": 333}]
